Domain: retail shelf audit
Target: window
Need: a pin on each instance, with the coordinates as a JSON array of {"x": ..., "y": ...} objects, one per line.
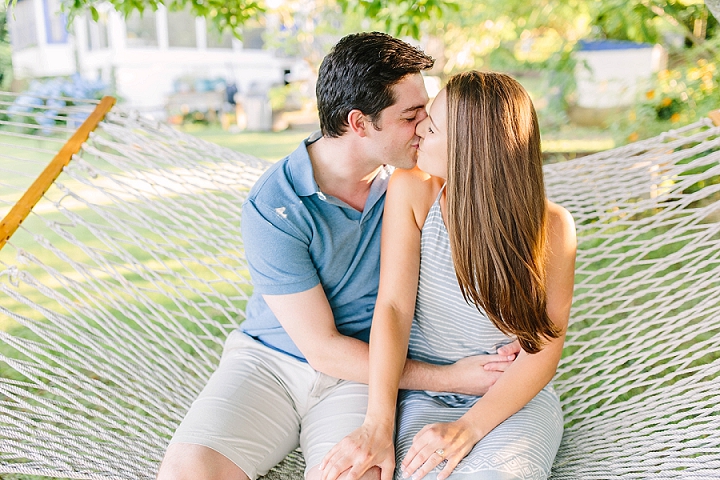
[
  {"x": 23, "y": 29},
  {"x": 253, "y": 38},
  {"x": 141, "y": 29},
  {"x": 181, "y": 30},
  {"x": 55, "y": 22},
  {"x": 216, "y": 39},
  {"x": 97, "y": 34}
]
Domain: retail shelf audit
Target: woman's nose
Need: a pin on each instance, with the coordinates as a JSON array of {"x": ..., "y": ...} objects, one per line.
[{"x": 419, "y": 128}]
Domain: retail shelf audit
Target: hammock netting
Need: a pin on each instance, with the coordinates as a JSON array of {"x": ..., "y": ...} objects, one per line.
[{"x": 120, "y": 287}]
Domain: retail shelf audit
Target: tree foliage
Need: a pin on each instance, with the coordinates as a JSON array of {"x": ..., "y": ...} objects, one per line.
[
  {"x": 5, "y": 65},
  {"x": 637, "y": 20},
  {"x": 224, "y": 15},
  {"x": 647, "y": 20},
  {"x": 400, "y": 17}
]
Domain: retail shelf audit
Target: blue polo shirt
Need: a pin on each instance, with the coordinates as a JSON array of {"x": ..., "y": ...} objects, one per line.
[{"x": 296, "y": 237}]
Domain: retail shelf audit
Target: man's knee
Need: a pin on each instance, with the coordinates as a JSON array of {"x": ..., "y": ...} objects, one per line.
[{"x": 185, "y": 461}]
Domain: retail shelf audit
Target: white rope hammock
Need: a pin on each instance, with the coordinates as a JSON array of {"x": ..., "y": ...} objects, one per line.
[{"x": 120, "y": 287}]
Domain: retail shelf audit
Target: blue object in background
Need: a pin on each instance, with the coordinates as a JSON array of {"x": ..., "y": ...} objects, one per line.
[
  {"x": 595, "y": 45},
  {"x": 56, "y": 93}
]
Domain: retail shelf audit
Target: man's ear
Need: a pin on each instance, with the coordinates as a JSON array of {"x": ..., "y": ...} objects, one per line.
[{"x": 358, "y": 123}]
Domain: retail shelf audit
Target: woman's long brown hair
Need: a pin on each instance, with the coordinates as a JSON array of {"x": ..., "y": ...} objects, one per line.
[{"x": 496, "y": 204}]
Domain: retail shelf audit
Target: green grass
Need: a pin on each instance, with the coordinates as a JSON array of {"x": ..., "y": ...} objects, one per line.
[
  {"x": 270, "y": 146},
  {"x": 20, "y": 164},
  {"x": 23, "y": 240}
]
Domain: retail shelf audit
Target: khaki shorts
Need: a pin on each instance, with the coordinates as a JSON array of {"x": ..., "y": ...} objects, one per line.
[{"x": 261, "y": 404}]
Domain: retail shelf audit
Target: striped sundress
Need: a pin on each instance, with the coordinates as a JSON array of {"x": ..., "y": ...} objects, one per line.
[{"x": 445, "y": 329}]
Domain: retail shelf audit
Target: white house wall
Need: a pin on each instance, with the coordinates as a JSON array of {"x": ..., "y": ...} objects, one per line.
[
  {"x": 614, "y": 78},
  {"x": 44, "y": 61},
  {"x": 144, "y": 76}
]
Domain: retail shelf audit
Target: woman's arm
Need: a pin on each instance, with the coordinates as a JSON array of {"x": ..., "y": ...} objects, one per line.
[
  {"x": 523, "y": 379},
  {"x": 410, "y": 193}
]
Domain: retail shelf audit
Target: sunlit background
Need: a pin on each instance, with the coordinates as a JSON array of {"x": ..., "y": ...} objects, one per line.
[{"x": 601, "y": 73}]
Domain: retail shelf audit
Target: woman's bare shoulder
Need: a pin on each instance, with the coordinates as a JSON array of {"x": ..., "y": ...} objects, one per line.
[
  {"x": 561, "y": 228},
  {"x": 416, "y": 189},
  {"x": 409, "y": 178}
]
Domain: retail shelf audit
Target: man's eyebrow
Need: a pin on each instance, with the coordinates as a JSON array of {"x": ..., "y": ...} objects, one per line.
[{"x": 410, "y": 109}]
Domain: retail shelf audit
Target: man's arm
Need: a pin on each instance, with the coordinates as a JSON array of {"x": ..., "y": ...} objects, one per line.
[
  {"x": 308, "y": 319},
  {"x": 277, "y": 248}
]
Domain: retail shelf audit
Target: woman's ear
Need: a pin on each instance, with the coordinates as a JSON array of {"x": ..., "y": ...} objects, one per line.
[{"x": 358, "y": 122}]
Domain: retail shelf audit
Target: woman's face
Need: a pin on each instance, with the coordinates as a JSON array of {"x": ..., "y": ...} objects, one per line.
[{"x": 432, "y": 151}]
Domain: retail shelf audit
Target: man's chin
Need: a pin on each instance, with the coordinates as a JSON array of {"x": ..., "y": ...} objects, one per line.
[{"x": 409, "y": 163}]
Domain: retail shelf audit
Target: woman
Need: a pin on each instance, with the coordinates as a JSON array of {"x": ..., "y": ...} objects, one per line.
[{"x": 494, "y": 260}]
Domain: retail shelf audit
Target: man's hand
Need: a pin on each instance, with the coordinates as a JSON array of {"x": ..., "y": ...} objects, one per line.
[
  {"x": 366, "y": 447},
  {"x": 475, "y": 375}
]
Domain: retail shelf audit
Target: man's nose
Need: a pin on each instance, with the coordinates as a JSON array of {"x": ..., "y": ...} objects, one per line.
[{"x": 418, "y": 127}]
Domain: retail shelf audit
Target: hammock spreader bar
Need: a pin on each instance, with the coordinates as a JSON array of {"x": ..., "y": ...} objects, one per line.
[
  {"x": 22, "y": 208},
  {"x": 715, "y": 117}
]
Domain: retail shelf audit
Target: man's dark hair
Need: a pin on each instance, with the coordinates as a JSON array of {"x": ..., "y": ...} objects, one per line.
[{"x": 359, "y": 73}]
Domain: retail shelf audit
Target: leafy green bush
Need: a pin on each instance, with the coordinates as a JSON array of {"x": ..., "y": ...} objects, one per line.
[{"x": 5, "y": 54}]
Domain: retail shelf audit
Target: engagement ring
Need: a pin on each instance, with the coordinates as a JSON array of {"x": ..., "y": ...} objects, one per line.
[{"x": 440, "y": 452}]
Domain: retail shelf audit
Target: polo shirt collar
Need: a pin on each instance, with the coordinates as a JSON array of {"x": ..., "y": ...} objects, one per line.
[
  {"x": 301, "y": 170},
  {"x": 378, "y": 188}
]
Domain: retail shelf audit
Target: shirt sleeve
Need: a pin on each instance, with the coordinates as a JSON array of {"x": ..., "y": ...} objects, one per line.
[{"x": 278, "y": 252}]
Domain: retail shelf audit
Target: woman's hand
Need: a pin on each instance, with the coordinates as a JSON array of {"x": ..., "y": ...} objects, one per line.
[
  {"x": 436, "y": 443},
  {"x": 366, "y": 447}
]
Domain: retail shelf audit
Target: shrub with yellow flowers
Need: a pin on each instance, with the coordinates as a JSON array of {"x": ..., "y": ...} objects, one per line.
[
  {"x": 677, "y": 97},
  {"x": 681, "y": 93}
]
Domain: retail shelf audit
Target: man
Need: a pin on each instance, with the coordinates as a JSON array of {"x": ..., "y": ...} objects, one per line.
[{"x": 295, "y": 373}]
